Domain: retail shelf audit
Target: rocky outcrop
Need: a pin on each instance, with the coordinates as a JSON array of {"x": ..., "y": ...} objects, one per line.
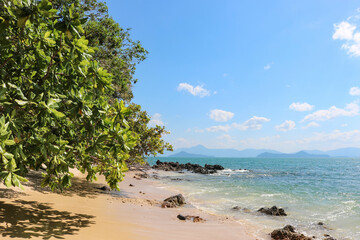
[
  {"x": 173, "y": 201},
  {"x": 237, "y": 208},
  {"x": 288, "y": 233},
  {"x": 274, "y": 211},
  {"x": 196, "y": 168}
]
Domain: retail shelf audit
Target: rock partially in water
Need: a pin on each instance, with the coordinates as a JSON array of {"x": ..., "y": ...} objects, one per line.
[
  {"x": 274, "y": 211},
  {"x": 214, "y": 167},
  {"x": 288, "y": 233},
  {"x": 236, "y": 208},
  {"x": 196, "y": 168},
  {"x": 173, "y": 201}
]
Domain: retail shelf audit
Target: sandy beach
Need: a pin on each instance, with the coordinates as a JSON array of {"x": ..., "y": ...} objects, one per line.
[{"x": 85, "y": 212}]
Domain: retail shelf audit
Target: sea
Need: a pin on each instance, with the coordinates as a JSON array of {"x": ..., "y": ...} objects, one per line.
[{"x": 311, "y": 191}]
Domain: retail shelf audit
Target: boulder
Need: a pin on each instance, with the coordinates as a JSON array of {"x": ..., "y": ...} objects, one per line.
[
  {"x": 181, "y": 217},
  {"x": 288, "y": 233},
  {"x": 173, "y": 201},
  {"x": 274, "y": 211}
]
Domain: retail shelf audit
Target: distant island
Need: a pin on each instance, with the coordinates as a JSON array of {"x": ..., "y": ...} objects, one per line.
[
  {"x": 184, "y": 154},
  {"x": 301, "y": 154},
  {"x": 202, "y": 151}
]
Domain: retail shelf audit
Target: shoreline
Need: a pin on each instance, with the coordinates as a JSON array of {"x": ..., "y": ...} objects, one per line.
[{"x": 85, "y": 212}]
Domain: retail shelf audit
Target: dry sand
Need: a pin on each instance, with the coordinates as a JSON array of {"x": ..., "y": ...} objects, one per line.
[{"x": 84, "y": 212}]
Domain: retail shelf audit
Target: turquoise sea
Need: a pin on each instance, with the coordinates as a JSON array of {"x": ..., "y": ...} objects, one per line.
[{"x": 310, "y": 190}]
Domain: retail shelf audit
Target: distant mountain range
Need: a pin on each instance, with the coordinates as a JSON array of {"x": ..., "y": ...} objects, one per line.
[
  {"x": 189, "y": 155},
  {"x": 301, "y": 154},
  {"x": 201, "y": 151}
]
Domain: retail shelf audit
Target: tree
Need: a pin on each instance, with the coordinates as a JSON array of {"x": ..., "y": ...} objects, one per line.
[
  {"x": 150, "y": 140},
  {"x": 54, "y": 99},
  {"x": 119, "y": 54},
  {"x": 114, "y": 50}
]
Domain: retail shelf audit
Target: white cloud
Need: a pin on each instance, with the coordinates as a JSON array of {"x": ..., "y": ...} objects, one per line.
[
  {"x": 343, "y": 31},
  {"x": 221, "y": 115},
  {"x": 301, "y": 107},
  {"x": 351, "y": 109},
  {"x": 346, "y": 31},
  {"x": 311, "y": 124},
  {"x": 219, "y": 128},
  {"x": 156, "y": 120},
  {"x": 354, "y": 91},
  {"x": 195, "y": 91},
  {"x": 254, "y": 123},
  {"x": 286, "y": 126},
  {"x": 267, "y": 67},
  {"x": 225, "y": 75}
]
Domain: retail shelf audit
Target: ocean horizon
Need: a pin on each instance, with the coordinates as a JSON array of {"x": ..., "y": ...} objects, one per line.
[{"x": 320, "y": 195}]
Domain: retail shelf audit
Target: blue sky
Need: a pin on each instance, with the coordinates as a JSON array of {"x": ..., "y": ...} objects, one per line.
[{"x": 283, "y": 75}]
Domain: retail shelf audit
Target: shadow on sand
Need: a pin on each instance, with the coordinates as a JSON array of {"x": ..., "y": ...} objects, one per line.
[
  {"x": 79, "y": 187},
  {"x": 28, "y": 219}
]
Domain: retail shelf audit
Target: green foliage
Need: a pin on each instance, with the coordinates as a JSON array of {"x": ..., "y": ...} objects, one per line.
[
  {"x": 54, "y": 98},
  {"x": 150, "y": 140}
]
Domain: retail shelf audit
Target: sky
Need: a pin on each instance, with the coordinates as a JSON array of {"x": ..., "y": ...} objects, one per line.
[{"x": 282, "y": 75}]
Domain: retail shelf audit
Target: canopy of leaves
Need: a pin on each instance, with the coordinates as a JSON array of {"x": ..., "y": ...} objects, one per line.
[{"x": 54, "y": 98}]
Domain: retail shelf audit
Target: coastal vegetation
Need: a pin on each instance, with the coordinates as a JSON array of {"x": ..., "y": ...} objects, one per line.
[{"x": 66, "y": 76}]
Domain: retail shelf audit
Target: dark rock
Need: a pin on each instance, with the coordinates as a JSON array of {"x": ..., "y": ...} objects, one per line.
[
  {"x": 320, "y": 223},
  {"x": 288, "y": 233},
  {"x": 236, "y": 208},
  {"x": 196, "y": 168},
  {"x": 181, "y": 217},
  {"x": 289, "y": 228},
  {"x": 104, "y": 188},
  {"x": 130, "y": 185},
  {"x": 173, "y": 201},
  {"x": 214, "y": 167},
  {"x": 274, "y": 211}
]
